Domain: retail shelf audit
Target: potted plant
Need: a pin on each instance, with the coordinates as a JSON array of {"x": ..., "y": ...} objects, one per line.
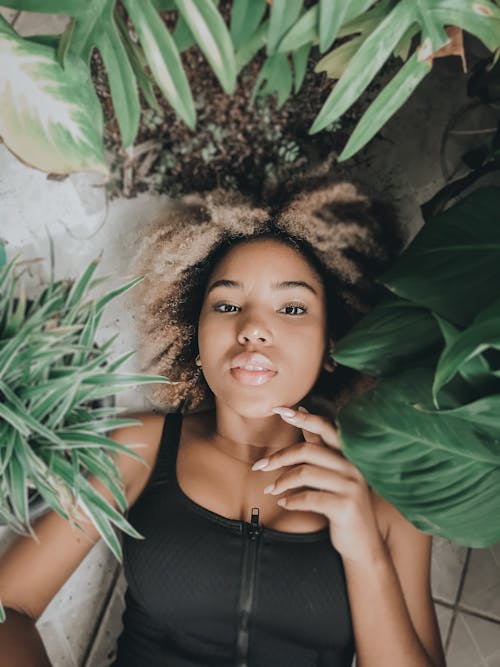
[{"x": 55, "y": 389}]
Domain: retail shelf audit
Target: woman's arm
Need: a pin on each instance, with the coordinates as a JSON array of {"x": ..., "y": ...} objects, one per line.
[
  {"x": 391, "y": 604},
  {"x": 21, "y": 643},
  {"x": 31, "y": 572}
]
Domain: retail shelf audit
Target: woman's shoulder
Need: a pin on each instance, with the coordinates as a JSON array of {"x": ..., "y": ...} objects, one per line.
[{"x": 143, "y": 438}]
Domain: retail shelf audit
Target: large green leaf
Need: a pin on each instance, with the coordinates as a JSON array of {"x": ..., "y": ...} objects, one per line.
[
  {"x": 449, "y": 267},
  {"x": 440, "y": 470},
  {"x": 212, "y": 35},
  {"x": 482, "y": 334},
  {"x": 49, "y": 116},
  {"x": 389, "y": 336}
]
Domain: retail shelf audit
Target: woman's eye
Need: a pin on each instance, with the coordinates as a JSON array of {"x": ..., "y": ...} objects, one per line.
[
  {"x": 225, "y": 308},
  {"x": 293, "y": 309}
]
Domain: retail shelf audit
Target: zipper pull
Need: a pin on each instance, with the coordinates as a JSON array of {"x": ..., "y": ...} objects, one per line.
[{"x": 254, "y": 528}]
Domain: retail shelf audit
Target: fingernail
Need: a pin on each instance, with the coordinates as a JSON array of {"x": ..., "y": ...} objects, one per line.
[
  {"x": 302, "y": 409},
  {"x": 269, "y": 488},
  {"x": 261, "y": 463},
  {"x": 284, "y": 412}
]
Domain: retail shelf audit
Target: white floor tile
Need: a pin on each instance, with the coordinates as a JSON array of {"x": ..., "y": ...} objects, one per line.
[
  {"x": 481, "y": 590},
  {"x": 475, "y": 642},
  {"x": 447, "y": 564}
]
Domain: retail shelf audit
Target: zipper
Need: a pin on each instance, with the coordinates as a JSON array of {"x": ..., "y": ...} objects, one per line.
[{"x": 252, "y": 532}]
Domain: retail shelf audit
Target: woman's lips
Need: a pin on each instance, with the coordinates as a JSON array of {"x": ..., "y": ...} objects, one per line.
[{"x": 252, "y": 377}]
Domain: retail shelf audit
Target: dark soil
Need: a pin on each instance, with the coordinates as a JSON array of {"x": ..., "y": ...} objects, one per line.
[{"x": 235, "y": 145}]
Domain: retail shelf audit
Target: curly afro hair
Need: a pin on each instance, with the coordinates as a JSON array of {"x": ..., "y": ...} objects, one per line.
[{"x": 345, "y": 237}]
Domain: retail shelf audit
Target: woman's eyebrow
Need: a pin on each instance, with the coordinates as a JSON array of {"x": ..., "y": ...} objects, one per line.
[{"x": 286, "y": 284}]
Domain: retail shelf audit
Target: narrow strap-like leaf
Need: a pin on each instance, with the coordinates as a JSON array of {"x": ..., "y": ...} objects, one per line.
[
  {"x": 365, "y": 64},
  {"x": 122, "y": 81},
  {"x": 300, "y": 58},
  {"x": 163, "y": 58},
  {"x": 182, "y": 36},
  {"x": 331, "y": 16},
  {"x": 392, "y": 97},
  {"x": 283, "y": 15},
  {"x": 246, "y": 53},
  {"x": 245, "y": 18},
  {"x": 212, "y": 36},
  {"x": 274, "y": 77}
]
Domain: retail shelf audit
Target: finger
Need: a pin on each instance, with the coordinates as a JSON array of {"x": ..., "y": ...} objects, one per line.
[
  {"x": 322, "y": 502},
  {"x": 306, "y": 452},
  {"x": 309, "y": 436},
  {"x": 311, "y": 476},
  {"x": 312, "y": 423}
]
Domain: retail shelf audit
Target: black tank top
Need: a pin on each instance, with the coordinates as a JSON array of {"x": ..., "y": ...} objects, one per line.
[{"x": 207, "y": 590}]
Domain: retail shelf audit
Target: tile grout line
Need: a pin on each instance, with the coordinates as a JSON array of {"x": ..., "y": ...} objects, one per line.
[
  {"x": 471, "y": 612},
  {"x": 456, "y": 607}
]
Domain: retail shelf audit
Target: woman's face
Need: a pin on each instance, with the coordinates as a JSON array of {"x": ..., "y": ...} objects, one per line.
[{"x": 262, "y": 330}]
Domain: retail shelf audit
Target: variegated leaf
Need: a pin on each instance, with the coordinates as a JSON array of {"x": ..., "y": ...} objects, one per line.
[{"x": 49, "y": 116}]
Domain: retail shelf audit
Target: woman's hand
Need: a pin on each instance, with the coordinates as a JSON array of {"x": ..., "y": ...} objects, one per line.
[{"x": 334, "y": 487}]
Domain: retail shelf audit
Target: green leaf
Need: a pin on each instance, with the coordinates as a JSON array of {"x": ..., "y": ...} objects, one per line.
[
  {"x": 182, "y": 36},
  {"x": 246, "y": 53},
  {"x": 335, "y": 62},
  {"x": 274, "y": 77},
  {"x": 388, "y": 337},
  {"x": 69, "y": 7},
  {"x": 138, "y": 63},
  {"x": 106, "y": 531},
  {"x": 476, "y": 371},
  {"x": 304, "y": 31},
  {"x": 461, "y": 268},
  {"x": 306, "y": 28},
  {"x": 18, "y": 492},
  {"x": 283, "y": 15},
  {"x": 483, "y": 333},
  {"x": 245, "y": 18},
  {"x": 122, "y": 81},
  {"x": 300, "y": 58},
  {"x": 331, "y": 16},
  {"x": 440, "y": 471},
  {"x": 163, "y": 58},
  {"x": 3, "y": 254},
  {"x": 375, "y": 51},
  {"x": 484, "y": 412},
  {"x": 481, "y": 19},
  {"x": 212, "y": 36},
  {"x": 392, "y": 97},
  {"x": 365, "y": 64},
  {"x": 60, "y": 131}
]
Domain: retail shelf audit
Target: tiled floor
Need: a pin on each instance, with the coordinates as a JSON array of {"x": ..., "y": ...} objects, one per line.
[{"x": 466, "y": 587}]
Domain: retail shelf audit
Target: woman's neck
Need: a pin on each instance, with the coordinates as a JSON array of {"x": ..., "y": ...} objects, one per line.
[{"x": 249, "y": 439}]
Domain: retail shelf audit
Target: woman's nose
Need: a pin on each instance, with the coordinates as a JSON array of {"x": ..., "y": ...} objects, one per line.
[{"x": 253, "y": 331}]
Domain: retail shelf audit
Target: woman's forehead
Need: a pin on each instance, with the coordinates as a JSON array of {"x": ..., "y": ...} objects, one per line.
[{"x": 267, "y": 258}]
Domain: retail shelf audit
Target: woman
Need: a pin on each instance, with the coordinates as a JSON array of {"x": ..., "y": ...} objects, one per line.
[{"x": 263, "y": 544}]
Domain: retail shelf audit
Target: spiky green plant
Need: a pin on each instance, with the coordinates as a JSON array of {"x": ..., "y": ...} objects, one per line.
[{"x": 54, "y": 380}]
